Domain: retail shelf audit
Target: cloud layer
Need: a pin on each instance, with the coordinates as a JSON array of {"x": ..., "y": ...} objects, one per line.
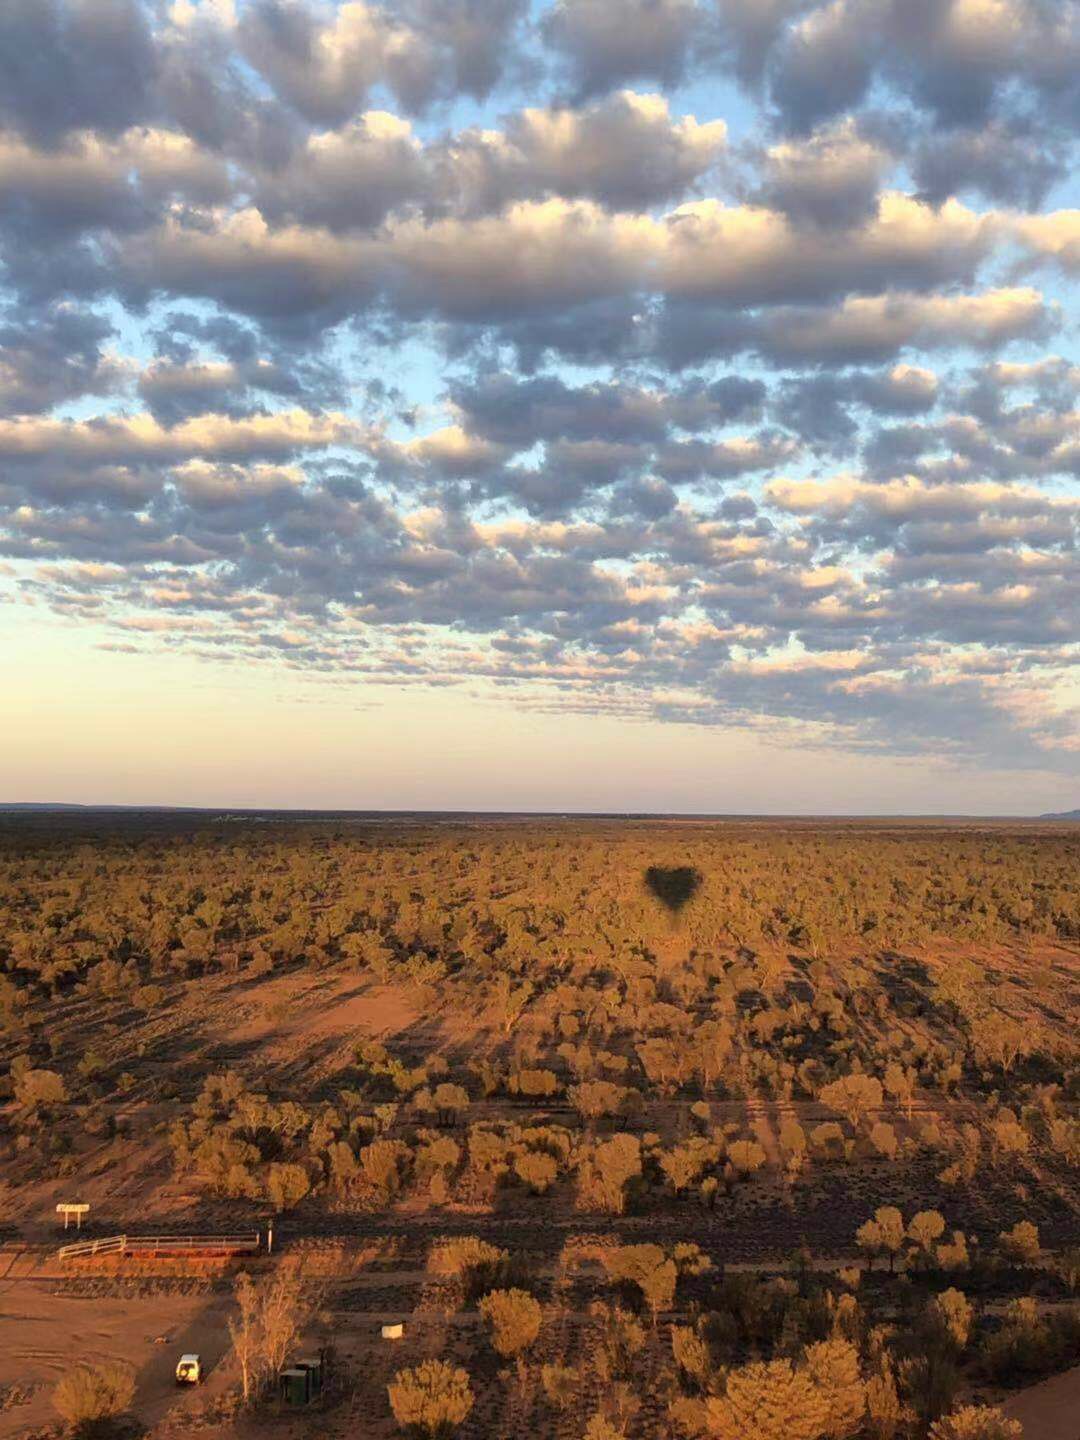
[{"x": 450, "y": 343}]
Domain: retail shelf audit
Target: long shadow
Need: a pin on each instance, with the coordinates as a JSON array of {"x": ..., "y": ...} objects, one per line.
[{"x": 673, "y": 886}]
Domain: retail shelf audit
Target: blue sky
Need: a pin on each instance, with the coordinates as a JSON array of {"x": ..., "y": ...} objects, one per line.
[{"x": 663, "y": 404}]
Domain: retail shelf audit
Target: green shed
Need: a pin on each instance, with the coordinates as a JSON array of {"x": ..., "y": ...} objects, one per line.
[
  {"x": 295, "y": 1386},
  {"x": 314, "y": 1367}
]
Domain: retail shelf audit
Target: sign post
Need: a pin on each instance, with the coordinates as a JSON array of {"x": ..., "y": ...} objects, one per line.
[{"x": 72, "y": 1211}]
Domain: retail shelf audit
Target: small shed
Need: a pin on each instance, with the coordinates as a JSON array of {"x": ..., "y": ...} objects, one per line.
[
  {"x": 295, "y": 1386},
  {"x": 393, "y": 1331},
  {"x": 314, "y": 1367}
]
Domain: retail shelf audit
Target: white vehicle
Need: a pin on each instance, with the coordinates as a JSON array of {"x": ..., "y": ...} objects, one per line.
[{"x": 188, "y": 1370}]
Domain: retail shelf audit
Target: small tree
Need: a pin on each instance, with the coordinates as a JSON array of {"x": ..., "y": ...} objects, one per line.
[
  {"x": 561, "y": 1385},
  {"x": 92, "y": 1394},
  {"x": 536, "y": 1170},
  {"x": 746, "y": 1156},
  {"x": 770, "y": 1401},
  {"x": 976, "y": 1422},
  {"x": 833, "y": 1365},
  {"x": 514, "y": 1317},
  {"x": 853, "y": 1096},
  {"x": 37, "y": 1089},
  {"x": 926, "y": 1227},
  {"x": 900, "y": 1083},
  {"x": 951, "y": 1314},
  {"x": 244, "y": 1332},
  {"x": 286, "y": 1186},
  {"x": 434, "y": 1398},
  {"x": 1021, "y": 1243},
  {"x": 883, "y": 1138},
  {"x": 883, "y": 1235}
]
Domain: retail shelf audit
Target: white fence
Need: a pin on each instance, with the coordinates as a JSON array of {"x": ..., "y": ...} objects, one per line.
[{"x": 161, "y": 1245}]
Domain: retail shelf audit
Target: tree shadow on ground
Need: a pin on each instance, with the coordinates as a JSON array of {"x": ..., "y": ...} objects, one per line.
[{"x": 673, "y": 886}]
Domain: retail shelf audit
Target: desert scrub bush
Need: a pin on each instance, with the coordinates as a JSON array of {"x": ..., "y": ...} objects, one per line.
[
  {"x": 90, "y": 1396},
  {"x": 976, "y": 1422},
  {"x": 479, "y": 1266},
  {"x": 769, "y": 1400},
  {"x": 432, "y": 1399},
  {"x": 536, "y": 1170},
  {"x": 1021, "y": 1243},
  {"x": 833, "y": 1366},
  {"x": 514, "y": 1317}
]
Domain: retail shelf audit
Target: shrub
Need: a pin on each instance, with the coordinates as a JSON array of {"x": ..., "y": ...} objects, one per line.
[
  {"x": 286, "y": 1186},
  {"x": 883, "y": 1235},
  {"x": 433, "y": 1398},
  {"x": 746, "y": 1156},
  {"x": 833, "y": 1366},
  {"x": 1021, "y": 1243},
  {"x": 561, "y": 1385},
  {"x": 537, "y": 1171},
  {"x": 770, "y": 1401},
  {"x": 976, "y": 1422},
  {"x": 91, "y": 1394},
  {"x": 514, "y": 1317}
]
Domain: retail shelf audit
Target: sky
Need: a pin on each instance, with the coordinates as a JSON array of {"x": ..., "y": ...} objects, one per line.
[{"x": 614, "y": 405}]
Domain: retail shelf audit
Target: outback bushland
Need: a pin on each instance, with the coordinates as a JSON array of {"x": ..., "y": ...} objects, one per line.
[{"x": 646, "y": 1129}]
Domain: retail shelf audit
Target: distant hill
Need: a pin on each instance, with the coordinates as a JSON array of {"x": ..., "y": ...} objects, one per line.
[{"x": 1062, "y": 815}]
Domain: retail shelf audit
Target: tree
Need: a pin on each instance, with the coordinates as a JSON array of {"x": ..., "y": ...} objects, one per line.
[
  {"x": 852, "y": 1096},
  {"x": 536, "y": 1170},
  {"x": 767, "y": 1401},
  {"x": 607, "y": 1171},
  {"x": 691, "y": 1353},
  {"x": 514, "y": 1317},
  {"x": 883, "y": 1409},
  {"x": 900, "y": 1084},
  {"x": 951, "y": 1313},
  {"x": 286, "y": 1186},
  {"x": 379, "y": 1164},
  {"x": 646, "y": 1267},
  {"x": 883, "y": 1235},
  {"x": 601, "y": 1428},
  {"x": 976, "y": 1422},
  {"x": 883, "y": 1138},
  {"x": 244, "y": 1332},
  {"x": 1021, "y": 1243},
  {"x": 833, "y": 1365},
  {"x": 746, "y": 1156},
  {"x": 91, "y": 1394},
  {"x": 561, "y": 1385},
  {"x": 36, "y": 1089},
  {"x": 433, "y": 1397},
  {"x": 596, "y": 1098},
  {"x": 926, "y": 1227}
]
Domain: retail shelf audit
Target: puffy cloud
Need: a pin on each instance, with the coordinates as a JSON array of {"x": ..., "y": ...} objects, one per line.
[
  {"x": 538, "y": 391},
  {"x": 607, "y": 45},
  {"x": 626, "y": 151},
  {"x": 859, "y": 330},
  {"x": 46, "y": 359},
  {"x": 831, "y": 179},
  {"x": 141, "y": 437},
  {"x": 325, "y": 60},
  {"x": 71, "y": 64}
]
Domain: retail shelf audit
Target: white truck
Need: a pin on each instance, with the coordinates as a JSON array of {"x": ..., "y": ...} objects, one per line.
[{"x": 188, "y": 1370}]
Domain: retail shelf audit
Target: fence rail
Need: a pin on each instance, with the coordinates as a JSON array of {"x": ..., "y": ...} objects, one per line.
[{"x": 161, "y": 1245}]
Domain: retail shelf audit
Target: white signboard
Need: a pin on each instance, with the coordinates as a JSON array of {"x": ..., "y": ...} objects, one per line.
[{"x": 71, "y": 1210}]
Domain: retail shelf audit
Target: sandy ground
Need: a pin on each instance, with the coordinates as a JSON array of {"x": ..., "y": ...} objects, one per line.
[
  {"x": 1049, "y": 1410},
  {"x": 43, "y": 1334}
]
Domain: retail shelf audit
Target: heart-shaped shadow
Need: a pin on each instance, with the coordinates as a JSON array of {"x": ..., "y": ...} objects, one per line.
[{"x": 673, "y": 886}]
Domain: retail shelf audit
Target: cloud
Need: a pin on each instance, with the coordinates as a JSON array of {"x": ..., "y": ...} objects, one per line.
[
  {"x": 51, "y": 357},
  {"x": 324, "y": 61},
  {"x": 606, "y": 45},
  {"x": 458, "y": 342}
]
